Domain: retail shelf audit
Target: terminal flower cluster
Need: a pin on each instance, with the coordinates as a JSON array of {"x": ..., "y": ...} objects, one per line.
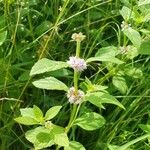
[
  {"x": 77, "y": 64},
  {"x": 75, "y": 97},
  {"x": 125, "y": 25},
  {"x": 78, "y": 37}
]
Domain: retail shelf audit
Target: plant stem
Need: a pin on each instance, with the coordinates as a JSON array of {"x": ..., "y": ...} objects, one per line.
[{"x": 78, "y": 49}]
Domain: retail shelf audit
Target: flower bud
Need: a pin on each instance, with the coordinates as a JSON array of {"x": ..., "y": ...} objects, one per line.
[{"x": 78, "y": 37}]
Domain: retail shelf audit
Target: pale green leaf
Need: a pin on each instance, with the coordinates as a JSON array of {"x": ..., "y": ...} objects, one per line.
[
  {"x": 27, "y": 112},
  {"x": 40, "y": 137},
  {"x": 50, "y": 83},
  {"x": 127, "y": 13},
  {"x": 52, "y": 112},
  {"x": 73, "y": 145},
  {"x": 143, "y": 2},
  {"x": 61, "y": 139},
  {"x": 120, "y": 83},
  {"x": 134, "y": 36},
  {"x": 26, "y": 120},
  {"x": 85, "y": 122},
  {"x": 38, "y": 113},
  {"x": 98, "y": 98},
  {"x": 105, "y": 59},
  {"x": 46, "y": 65},
  {"x": 3, "y": 35},
  {"x": 145, "y": 48}
]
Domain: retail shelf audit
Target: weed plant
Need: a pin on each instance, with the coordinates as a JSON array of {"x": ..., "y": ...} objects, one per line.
[{"x": 36, "y": 35}]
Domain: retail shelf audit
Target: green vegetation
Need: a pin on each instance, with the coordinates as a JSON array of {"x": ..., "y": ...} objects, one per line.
[{"x": 110, "y": 107}]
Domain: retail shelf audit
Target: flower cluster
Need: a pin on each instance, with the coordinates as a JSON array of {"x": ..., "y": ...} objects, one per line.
[
  {"x": 125, "y": 25},
  {"x": 124, "y": 49},
  {"x": 75, "y": 97},
  {"x": 78, "y": 37},
  {"x": 77, "y": 64}
]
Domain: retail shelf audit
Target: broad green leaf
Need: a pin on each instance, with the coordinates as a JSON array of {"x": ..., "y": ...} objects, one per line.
[
  {"x": 3, "y": 35},
  {"x": 109, "y": 59},
  {"x": 120, "y": 83},
  {"x": 27, "y": 112},
  {"x": 134, "y": 36},
  {"x": 26, "y": 120},
  {"x": 127, "y": 13},
  {"x": 143, "y": 2},
  {"x": 61, "y": 139},
  {"x": 85, "y": 122},
  {"x": 46, "y": 65},
  {"x": 98, "y": 98},
  {"x": 40, "y": 137},
  {"x": 107, "y": 52},
  {"x": 145, "y": 128},
  {"x": 73, "y": 145},
  {"x": 38, "y": 113},
  {"x": 133, "y": 72},
  {"x": 145, "y": 48},
  {"x": 52, "y": 112},
  {"x": 132, "y": 52},
  {"x": 50, "y": 83}
]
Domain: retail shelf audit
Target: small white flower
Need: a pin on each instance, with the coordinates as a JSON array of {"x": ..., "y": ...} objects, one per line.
[
  {"x": 125, "y": 25},
  {"x": 77, "y": 64},
  {"x": 75, "y": 97},
  {"x": 78, "y": 37},
  {"x": 123, "y": 49}
]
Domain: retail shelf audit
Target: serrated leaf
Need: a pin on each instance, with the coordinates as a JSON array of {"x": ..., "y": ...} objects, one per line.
[
  {"x": 85, "y": 122},
  {"x": 52, "y": 112},
  {"x": 3, "y": 35},
  {"x": 46, "y": 65},
  {"x": 98, "y": 98},
  {"x": 134, "y": 36},
  {"x": 50, "y": 83},
  {"x": 73, "y": 145},
  {"x": 38, "y": 113},
  {"x": 26, "y": 120},
  {"x": 145, "y": 48},
  {"x": 120, "y": 83}
]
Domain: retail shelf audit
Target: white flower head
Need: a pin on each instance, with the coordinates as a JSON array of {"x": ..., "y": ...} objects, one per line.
[
  {"x": 77, "y": 64},
  {"x": 78, "y": 37},
  {"x": 75, "y": 97},
  {"x": 125, "y": 25}
]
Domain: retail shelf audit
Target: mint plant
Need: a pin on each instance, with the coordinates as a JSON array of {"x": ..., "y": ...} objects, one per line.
[{"x": 45, "y": 132}]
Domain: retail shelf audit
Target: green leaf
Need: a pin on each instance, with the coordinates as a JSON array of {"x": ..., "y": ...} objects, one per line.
[
  {"x": 61, "y": 139},
  {"x": 85, "y": 122},
  {"x": 40, "y": 137},
  {"x": 145, "y": 48},
  {"x": 27, "y": 112},
  {"x": 38, "y": 113},
  {"x": 50, "y": 83},
  {"x": 98, "y": 98},
  {"x": 120, "y": 83},
  {"x": 73, "y": 145},
  {"x": 26, "y": 120},
  {"x": 145, "y": 128},
  {"x": 134, "y": 36},
  {"x": 52, "y": 112},
  {"x": 101, "y": 58},
  {"x": 107, "y": 52},
  {"x": 46, "y": 65},
  {"x": 127, "y": 13},
  {"x": 133, "y": 72},
  {"x": 3, "y": 35},
  {"x": 143, "y": 2}
]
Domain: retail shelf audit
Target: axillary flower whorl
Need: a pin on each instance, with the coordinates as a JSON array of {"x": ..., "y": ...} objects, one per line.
[
  {"x": 77, "y": 64},
  {"x": 75, "y": 97}
]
